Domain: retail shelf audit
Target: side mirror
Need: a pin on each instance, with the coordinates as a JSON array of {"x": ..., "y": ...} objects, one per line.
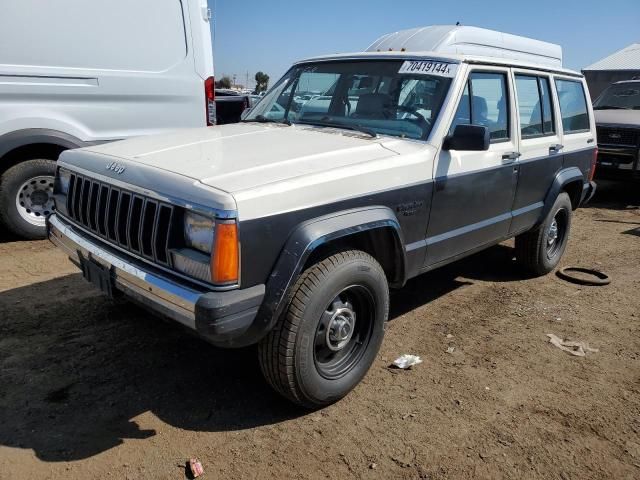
[{"x": 468, "y": 137}]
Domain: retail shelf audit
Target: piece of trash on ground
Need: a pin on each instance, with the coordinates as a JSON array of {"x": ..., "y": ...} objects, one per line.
[
  {"x": 451, "y": 349},
  {"x": 407, "y": 361},
  {"x": 196, "y": 467},
  {"x": 579, "y": 349}
]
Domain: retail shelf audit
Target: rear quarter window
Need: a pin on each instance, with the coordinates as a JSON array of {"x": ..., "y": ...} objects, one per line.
[
  {"x": 573, "y": 106},
  {"x": 138, "y": 35}
]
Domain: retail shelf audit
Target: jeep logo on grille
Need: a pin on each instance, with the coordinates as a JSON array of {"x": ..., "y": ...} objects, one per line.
[{"x": 116, "y": 167}]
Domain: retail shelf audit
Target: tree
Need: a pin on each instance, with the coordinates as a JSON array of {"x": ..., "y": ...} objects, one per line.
[
  {"x": 262, "y": 82},
  {"x": 224, "y": 82}
]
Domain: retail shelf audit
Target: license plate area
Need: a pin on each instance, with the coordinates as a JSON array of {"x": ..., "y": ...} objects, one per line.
[{"x": 97, "y": 275}]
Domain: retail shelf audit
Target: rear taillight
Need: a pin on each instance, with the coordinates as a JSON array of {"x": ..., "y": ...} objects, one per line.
[
  {"x": 210, "y": 101},
  {"x": 594, "y": 162}
]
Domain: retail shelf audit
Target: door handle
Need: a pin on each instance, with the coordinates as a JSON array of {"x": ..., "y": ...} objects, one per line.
[
  {"x": 555, "y": 148},
  {"x": 510, "y": 157}
]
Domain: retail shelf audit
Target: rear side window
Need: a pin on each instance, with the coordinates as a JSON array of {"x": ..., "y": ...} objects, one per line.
[
  {"x": 573, "y": 106},
  {"x": 140, "y": 35},
  {"x": 484, "y": 102},
  {"x": 534, "y": 106}
]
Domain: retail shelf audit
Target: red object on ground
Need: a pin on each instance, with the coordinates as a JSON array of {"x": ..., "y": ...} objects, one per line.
[{"x": 196, "y": 467}]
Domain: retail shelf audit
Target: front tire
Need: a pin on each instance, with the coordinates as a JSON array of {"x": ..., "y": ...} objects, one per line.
[
  {"x": 540, "y": 250},
  {"x": 331, "y": 332},
  {"x": 26, "y": 198}
]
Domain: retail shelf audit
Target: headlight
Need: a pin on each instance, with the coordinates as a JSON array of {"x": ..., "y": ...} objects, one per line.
[
  {"x": 62, "y": 179},
  {"x": 198, "y": 231}
]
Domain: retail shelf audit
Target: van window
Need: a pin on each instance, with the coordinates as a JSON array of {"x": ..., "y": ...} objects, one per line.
[
  {"x": 573, "y": 106},
  {"x": 534, "y": 106},
  {"x": 484, "y": 102},
  {"x": 140, "y": 35}
]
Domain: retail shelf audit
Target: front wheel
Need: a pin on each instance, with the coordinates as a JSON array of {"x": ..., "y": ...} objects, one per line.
[
  {"x": 541, "y": 249},
  {"x": 26, "y": 197},
  {"x": 330, "y": 334}
]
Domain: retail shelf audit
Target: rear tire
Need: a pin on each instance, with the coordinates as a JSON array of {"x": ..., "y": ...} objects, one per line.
[
  {"x": 26, "y": 197},
  {"x": 540, "y": 250},
  {"x": 331, "y": 332}
]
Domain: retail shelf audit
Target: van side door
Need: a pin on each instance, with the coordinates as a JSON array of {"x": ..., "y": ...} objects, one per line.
[
  {"x": 541, "y": 150},
  {"x": 474, "y": 190}
]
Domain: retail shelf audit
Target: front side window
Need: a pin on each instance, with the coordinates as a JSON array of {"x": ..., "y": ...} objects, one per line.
[
  {"x": 534, "y": 106},
  {"x": 485, "y": 102},
  {"x": 372, "y": 96},
  {"x": 573, "y": 106}
]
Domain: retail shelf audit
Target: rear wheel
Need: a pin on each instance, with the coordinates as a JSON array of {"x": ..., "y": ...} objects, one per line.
[
  {"x": 541, "y": 249},
  {"x": 329, "y": 336},
  {"x": 26, "y": 197}
]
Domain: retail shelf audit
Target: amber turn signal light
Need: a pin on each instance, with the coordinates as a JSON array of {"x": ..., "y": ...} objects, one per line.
[{"x": 225, "y": 261}]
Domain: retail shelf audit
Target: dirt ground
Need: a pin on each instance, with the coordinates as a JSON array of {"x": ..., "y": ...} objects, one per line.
[{"x": 91, "y": 388}]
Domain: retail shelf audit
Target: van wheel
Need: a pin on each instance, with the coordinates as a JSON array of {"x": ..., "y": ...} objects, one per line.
[
  {"x": 540, "y": 250},
  {"x": 331, "y": 332},
  {"x": 26, "y": 197}
]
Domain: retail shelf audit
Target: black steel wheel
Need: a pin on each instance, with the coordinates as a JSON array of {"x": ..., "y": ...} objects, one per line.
[
  {"x": 540, "y": 250},
  {"x": 344, "y": 331},
  {"x": 557, "y": 232}
]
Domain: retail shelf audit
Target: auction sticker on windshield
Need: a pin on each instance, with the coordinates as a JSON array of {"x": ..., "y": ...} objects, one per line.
[{"x": 429, "y": 67}]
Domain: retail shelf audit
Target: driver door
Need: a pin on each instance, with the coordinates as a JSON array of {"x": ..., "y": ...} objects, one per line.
[{"x": 474, "y": 190}]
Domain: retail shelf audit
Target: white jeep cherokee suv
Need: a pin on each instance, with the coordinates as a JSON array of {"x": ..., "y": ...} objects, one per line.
[{"x": 353, "y": 174}]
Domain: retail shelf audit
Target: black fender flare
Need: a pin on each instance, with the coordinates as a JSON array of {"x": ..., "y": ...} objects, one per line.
[
  {"x": 562, "y": 179},
  {"x": 20, "y": 138},
  {"x": 304, "y": 240}
]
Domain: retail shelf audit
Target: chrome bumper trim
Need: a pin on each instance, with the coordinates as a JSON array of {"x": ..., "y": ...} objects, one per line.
[{"x": 152, "y": 290}]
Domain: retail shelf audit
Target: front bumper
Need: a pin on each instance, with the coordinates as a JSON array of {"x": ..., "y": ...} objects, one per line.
[
  {"x": 618, "y": 162},
  {"x": 221, "y": 317}
]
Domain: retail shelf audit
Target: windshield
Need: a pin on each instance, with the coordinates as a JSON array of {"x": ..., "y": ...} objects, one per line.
[
  {"x": 620, "y": 96},
  {"x": 396, "y": 98}
]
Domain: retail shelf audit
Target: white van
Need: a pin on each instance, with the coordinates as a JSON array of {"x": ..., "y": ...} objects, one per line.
[{"x": 75, "y": 73}]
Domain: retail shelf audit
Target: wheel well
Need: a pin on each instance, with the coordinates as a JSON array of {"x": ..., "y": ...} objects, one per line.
[
  {"x": 32, "y": 151},
  {"x": 381, "y": 243},
  {"x": 574, "y": 189}
]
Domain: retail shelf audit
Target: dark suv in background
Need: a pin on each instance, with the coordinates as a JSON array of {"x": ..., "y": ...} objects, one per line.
[{"x": 617, "y": 113}]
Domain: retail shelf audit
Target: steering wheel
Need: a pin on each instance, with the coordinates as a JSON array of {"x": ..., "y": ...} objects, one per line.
[{"x": 413, "y": 111}]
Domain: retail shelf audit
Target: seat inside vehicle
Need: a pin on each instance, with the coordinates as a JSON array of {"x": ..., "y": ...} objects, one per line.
[{"x": 373, "y": 106}]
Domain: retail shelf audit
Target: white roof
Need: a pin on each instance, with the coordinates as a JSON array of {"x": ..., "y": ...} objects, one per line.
[
  {"x": 626, "y": 59},
  {"x": 454, "y": 39}
]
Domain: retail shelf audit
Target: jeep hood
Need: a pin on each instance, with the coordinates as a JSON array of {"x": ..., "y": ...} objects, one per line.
[
  {"x": 239, "y": 157},
  {"x": 629, "y": 118}
]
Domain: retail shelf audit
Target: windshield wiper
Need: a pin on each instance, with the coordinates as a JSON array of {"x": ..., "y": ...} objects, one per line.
[
  {"x": 263, "y": 119},
  {"x": 610, "y": 107},
  {"x": 357, "y": 128}
]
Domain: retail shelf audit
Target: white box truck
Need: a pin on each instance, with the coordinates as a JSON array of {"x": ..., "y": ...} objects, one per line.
[{"x": 75, "y": 73}]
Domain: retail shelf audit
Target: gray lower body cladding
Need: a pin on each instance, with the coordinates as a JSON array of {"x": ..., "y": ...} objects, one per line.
[{"x": 437, "y": 222}]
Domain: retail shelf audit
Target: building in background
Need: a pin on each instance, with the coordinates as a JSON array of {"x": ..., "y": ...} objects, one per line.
[{"x": 621, "y": 65}]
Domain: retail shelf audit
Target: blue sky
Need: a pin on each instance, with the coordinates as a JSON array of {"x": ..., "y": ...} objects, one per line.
[{"x": 269, "y": 36}]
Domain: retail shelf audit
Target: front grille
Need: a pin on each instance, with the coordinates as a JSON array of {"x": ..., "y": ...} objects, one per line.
[
  {"x": 618, "y": 136},
  {"x": 136, "y": 223}
]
